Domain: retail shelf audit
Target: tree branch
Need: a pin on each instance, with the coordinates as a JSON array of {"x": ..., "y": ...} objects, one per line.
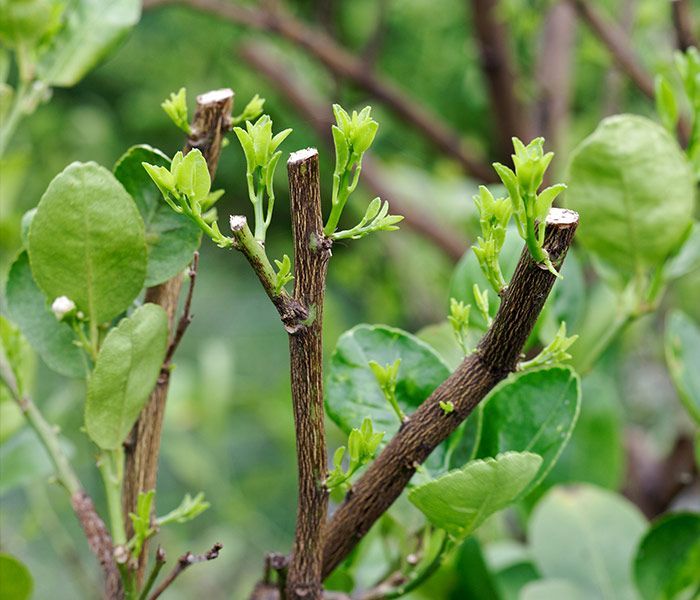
[
  {"x": 184, "y": 562},
  {"x": 292, "y": 313},
  {"x": 495, "y": 357},
  {"x": 553, "y": 74},
  {"x": 317, "y": 113},
  {"x": 211, "y": 121},
  {"x": 682, "y": 14},
  {"x": 618, "y": 44},
  {"x": 344, "y": 64},
  {"x": 311, "y": 256},
  {"x": 498, "y": 67},
  {"x": 98, "y": 538}
]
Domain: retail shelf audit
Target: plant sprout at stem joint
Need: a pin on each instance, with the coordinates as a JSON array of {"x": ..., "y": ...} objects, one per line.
[
  {"x": 387, "y": 377},
  {"x": 529, "y": 207},
  {"x": 352, "y": 137},
  {"x": 459, "y": 319},
  {"x": 362, "y": 445},
  {"x": 553, "y": 353},
  {"x": 262, "y": 156}
]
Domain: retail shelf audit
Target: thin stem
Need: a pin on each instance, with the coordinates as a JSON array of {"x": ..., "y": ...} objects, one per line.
[
  {"x": 185, "y": 561},
  {"x": 46, "y": 433},
  {"x": 111, "y": 467},
  {"x": 28, "y": 93},
  {"x": 153, "y": 575},
  {"x": 292, "y": 313}
]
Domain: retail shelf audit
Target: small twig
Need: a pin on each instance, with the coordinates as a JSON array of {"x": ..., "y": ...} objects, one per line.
[
  {"x": 186, "y": 560},
  {"x": 187, "y": 315},
  {"x": 155, "y": 571},
  {"x": 278, "y": 563},
  {"x": 683, "y": 23},
  {"x": 292, "y": 313}
]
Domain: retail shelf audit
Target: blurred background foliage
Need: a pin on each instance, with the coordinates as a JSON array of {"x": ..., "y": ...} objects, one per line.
[{"x": 229, "y": 426}]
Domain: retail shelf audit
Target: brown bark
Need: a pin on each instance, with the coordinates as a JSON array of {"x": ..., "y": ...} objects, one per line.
[
  {"x": 100, "y": 542},
  {"x": 495, "y": 357},
  {"x": 311, "y": 255},
  {"x": 499, "y": 71},
  {"x": 682, "y": 14},
  {"x": 317, "y": 113},
  {"x": 347, "y": 66},
  {"x": 211, "y": 121}
]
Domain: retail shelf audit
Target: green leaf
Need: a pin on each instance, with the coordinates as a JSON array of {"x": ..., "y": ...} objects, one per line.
[
  {"x": 666, "y": 105},
  {"x": 18, "y": 354},
  {"x": 683, "y": 358},
  {"x": 126, "y": 370},
  {"x": 688, "y": 258},
  {"x": 352, "y": 391},
  {"x": 87, "y": 242},
  {"x": 91, "y": 31},
  {"x": 532, "y": 412},
  {"x": 51, "y": 338},
  {"x": 587, "y": 536},
  {"x": 635, "y": 192},
  {"x": 28, "y": 23},
  {"x": 171, "y": 238},
  {"x": 461, "y": 500},
  {"x": 552, "y": 589},
  {"x": 17, "y": 582},
  {"x": 668, "y": 558},
  {"x": 192, "y": 177}
]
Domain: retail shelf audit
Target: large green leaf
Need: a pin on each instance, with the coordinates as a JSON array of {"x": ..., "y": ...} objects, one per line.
[
  {"x": 461, "y": 500},
  {"x": 634, "y": 189},
  {"x": 51, "y": 338},
  {"x": 352, "y": 391},
  {"x": 683, "y": 358},
  {"x": 91, "y": 29},
  {"x": 171, "y": 238},
  {"x": 126, "y": 370},
  {"x": 668, "y": 558},
  {"x": 587, "y": 536},
  {"x": 17, "y": 582},
  {"x": 87, "y": 242},
  {"x": 532, "y": 412}
]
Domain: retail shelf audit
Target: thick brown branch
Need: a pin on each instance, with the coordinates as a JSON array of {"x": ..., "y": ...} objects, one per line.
[
  {"x": 211, "y": 121},
  {"x": 347, "y": 66},
  {"x": 498, "y": 68},
  {"x": 311, "y": 255},
  {"x": 185, "y": 561},
  {"x": 317, "y": 113},
  {"x": 553, "y": 73},
  {"x": 683, "y": 23},
  {"x": 618, "y": 44},
  {"x": 496, "y": 355}
]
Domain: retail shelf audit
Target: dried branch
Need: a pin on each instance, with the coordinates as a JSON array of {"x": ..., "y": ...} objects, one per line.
[
  {"x": 311, "y": 256},
  {"x": 184, "y": 562},
  {"x": 618, "y": 44},
  {"x": 98, "y": 538},
  {"x": 347, "y": 66},
  {"x": 499, "y": 71},
  {"x": 553, "y": 74},
  {"x": 211, "y": 121},
  {"x": 495, "y": 357},
  {"x": 317, "y": 113},
  {"x": 682, "y": 14},
  {"x": 292, "y": 313},
  {"x": 186, "y": 317}
]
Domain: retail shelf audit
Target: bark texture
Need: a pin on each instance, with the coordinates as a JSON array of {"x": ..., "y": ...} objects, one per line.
[
  {"x": 211, "y": 121},
  {"x": 495, "y": 357},
  {"x": 100, "y": 542},
  {"x": 311, "y": 255}
]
